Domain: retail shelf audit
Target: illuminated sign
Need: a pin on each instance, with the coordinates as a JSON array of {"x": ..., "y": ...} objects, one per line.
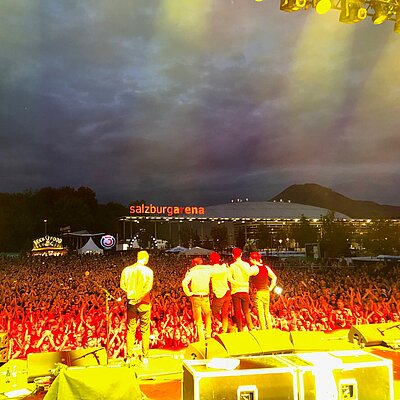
[
  {"x": 107, "y": 241},
  {"x": 47, "y": 242},
  {"x": 169, "y": 210}
]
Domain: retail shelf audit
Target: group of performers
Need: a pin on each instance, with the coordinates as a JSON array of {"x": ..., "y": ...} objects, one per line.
[{"x": 212, "y": 287}]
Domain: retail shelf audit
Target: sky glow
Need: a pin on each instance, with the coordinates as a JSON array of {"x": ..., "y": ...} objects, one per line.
[{"x": 196, "y": 102}]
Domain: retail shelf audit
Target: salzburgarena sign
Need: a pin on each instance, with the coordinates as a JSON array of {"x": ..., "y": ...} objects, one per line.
[{"x": 165, "y": 210}]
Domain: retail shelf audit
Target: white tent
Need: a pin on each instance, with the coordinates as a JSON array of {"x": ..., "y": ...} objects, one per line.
[
  {"x": 90, "y": 248},
  {"x": 197, "y": 251},
  {"x": 177, "y": 249},
  {"x": 135, "y": 244}
]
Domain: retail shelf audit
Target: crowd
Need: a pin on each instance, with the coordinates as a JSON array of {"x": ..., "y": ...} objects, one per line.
[{"x": 53, "y": 304}]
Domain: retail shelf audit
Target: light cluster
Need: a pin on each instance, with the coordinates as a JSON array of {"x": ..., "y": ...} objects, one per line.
[{"x": 351, "y": 11}]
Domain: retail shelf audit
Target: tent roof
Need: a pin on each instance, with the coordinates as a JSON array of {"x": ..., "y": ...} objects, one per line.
[
  {"x": 177, "y": 249},
  {"x": 135, "y": 244},
  {"x": 83, "y": 233},
  {"x": 197, "y": 251},
  {"x": 90, "y": 247}
]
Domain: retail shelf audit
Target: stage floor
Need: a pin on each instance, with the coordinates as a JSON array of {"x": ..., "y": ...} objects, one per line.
[{"x": 160, "y": 379}]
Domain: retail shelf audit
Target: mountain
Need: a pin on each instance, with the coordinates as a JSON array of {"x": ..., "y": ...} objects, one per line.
[{"x": 315, "y": 195}]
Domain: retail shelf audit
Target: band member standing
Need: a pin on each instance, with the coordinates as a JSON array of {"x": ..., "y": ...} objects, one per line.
[
  {"x": 239, "y": 274},
  {"x": 221, "y": 302},
  {"x": 196, "y": 285},
  {"x": 137, "y": 282},
  {"x": 263, "y": 283}
]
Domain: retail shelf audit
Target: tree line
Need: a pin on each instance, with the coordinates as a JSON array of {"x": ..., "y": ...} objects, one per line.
[
  {"x": 32, "y": 214},
  {"x": 335, "y": 238}
]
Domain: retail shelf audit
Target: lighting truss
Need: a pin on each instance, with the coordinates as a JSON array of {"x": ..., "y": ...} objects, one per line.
[
  {"x": 351, "y": 11},
  {"x": 391, "y": 6}
]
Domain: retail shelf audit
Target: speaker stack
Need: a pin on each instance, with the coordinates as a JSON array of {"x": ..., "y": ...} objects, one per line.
[
  {"x": 385, "y": 334},
  {"x": 265, "y": 342}
]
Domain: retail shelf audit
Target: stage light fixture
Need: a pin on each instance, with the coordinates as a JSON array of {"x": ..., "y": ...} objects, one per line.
[
  {"x": 323, "y": 6},
  {"x": 397, "y": 23},
  {"x": 278, "y": 290},
  {"x": 292, "y": 5},
  {"x": 381, "y": 12},
  {"x": 352, "y": 12}
]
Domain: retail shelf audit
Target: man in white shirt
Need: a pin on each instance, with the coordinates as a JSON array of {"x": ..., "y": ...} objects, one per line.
[
  {"x": 196, "y": 285},
  {"x": 221, "y": 302},
  {"x": 137, "y": 282},
  {"x": 239, "y": 274}
]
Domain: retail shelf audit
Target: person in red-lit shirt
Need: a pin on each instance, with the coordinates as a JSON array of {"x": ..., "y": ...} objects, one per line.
[
  {"x": 196, "y": 285},
  {"x": 263, "y": 283}
]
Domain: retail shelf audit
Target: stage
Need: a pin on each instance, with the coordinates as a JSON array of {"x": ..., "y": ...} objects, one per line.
[{"x": 162, "y": 378}]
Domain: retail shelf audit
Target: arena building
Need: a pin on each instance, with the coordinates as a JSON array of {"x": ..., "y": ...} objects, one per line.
[{"x": 174, "y": 224}]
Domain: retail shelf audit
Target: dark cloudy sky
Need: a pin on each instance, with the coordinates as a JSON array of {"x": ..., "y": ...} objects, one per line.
[{"x": 196, "y": 102}]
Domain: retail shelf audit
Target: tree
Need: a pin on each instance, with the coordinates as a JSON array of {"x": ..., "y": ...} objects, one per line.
[
  {"x": 186, "y": 237},
  {"x": 382, "y": 237},
  {"x": 219, "y": 234},
  {"x": 335, "y": 238},
  {"x": 303, "y": 232},
  {"x": 241, "y": 238},
  {"x": 108, "y": 214},
  {"x": 263, "y": 236}
]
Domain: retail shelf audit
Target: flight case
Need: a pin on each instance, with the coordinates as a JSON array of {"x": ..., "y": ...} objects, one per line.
[
  {"x": 255, "y": 378},
  {"x": 336, "y": 375},
  {"x": 342, "y": 375}
]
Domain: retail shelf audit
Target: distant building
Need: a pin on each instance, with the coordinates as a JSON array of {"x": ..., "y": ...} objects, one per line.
[{"x": 239, "y": 218}]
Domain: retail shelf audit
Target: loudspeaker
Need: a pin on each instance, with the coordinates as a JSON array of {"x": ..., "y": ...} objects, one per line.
[
  {"x": 239, "y": 343},
  {"x": 94, "y": 383},
  {"x": 3, "y": 339},
  {"x": 310, "y": 341},
  {"x": 376, "y": 334},
  {"x": 257, "y": 342},
  {"x": 209, "y": 348},
  {"x": 43, "y": 364},
  {"x": 273, "y": 341},
  {"x": 88, "y": 357}
]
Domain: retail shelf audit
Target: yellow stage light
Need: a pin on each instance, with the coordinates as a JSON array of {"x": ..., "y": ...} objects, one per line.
[
  {"x": 397, "y": 23},
  {"x": 323, "y": 6},
  {"x": 352, "y": 12},
  {"x": 381, "y": 13},
  {"x": 292, "y": 5}
]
